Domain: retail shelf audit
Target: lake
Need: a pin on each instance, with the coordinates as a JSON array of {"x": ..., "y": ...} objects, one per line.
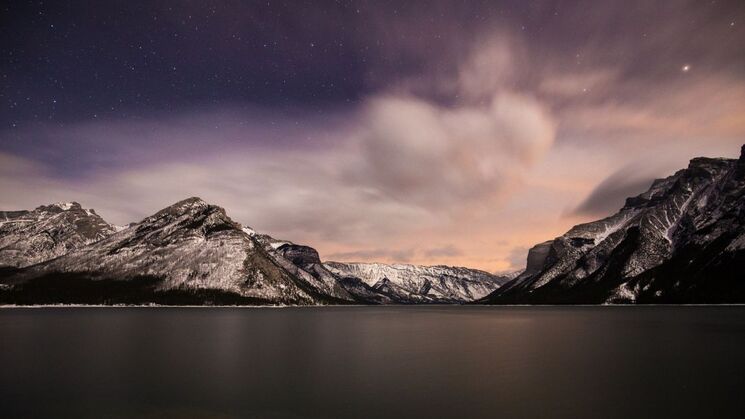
[{"x": 373, "y": 362}]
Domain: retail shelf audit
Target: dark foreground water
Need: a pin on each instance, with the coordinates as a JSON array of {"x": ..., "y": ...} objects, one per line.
[{"x": 461, "y": 362}]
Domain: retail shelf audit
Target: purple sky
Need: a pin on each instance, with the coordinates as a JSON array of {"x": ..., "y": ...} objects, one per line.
[{"x": 427, "y": 132}]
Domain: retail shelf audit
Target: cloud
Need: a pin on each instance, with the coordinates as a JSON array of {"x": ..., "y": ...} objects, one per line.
[
  {"x": 447, "y": 251},
  {"x": 518, "y": 257},
  {"x": 691, "y": 110},
  {"x": 381, "y": 255},
  {"x": 609, "y": 195},
  {"x": 576, "y": 84},
  {"x": 400, "y": 255},
  {"x": 489, "y": 68},
  {"x": 446, "y": 139},
  {"x": 417, "y": 151}
]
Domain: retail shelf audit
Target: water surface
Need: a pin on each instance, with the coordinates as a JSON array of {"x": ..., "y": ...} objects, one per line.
[{"x": 376, "y": 362}]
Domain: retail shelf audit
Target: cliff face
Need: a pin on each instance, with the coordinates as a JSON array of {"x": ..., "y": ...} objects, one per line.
[{"x": 680, "y": 241}]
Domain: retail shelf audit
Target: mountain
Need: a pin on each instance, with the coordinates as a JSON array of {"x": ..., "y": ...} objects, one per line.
[
  {"x": 377, "y": 283},
  {"x": 188, "y": 253},
  {"x": 49, "y": 231},
  {"x": 193, "y": 253},
  {"x": 401, "y": 283},
  {"x": 304, "y": 262},
  {"x": 682, "y": 241}
]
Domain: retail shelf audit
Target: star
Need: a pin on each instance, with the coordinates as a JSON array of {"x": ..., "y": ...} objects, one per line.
[{"x": 686, "y": 68}]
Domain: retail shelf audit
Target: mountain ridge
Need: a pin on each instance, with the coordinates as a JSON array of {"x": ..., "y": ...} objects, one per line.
[
  {"x": 681, "y": 241},
  {"x": 430, "y": 284},
  {"x": 630, "y": 256},
  {"x": 184, "y": 252}
]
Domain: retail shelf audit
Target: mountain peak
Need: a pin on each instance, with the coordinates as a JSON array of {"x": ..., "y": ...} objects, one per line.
[
  {"x": 184, "y": 206},
  {"x": 67, "y": 205},
  {"x": 60, "y": 206},
  {"x": 707, "y": 164},
  {"x": 194, "y": 201},
  {"x": 191, "y": 214}
]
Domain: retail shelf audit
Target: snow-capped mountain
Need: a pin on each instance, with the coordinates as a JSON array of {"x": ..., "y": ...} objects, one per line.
[
  {"x": 49, "y": 231},
  {"x": 378, "y": 283},
  {"x": 190, "y": 251},
  {"x": 683, "y": 240},
  {"x": 403, "y": 283}
]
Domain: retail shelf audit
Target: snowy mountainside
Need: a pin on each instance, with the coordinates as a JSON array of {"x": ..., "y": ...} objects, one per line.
[
  {"x": 193, "y": 252},
  {"x": 408, "y": 284},
  {"x": 680, "y": 241},
  {"x": 420, "y": 284},
  {"x": 190, "y": 246}
]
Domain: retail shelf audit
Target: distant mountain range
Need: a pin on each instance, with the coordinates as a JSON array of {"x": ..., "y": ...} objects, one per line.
[
  {"x": 682, "y": 241},
  {"x": 193, "y": 253}
]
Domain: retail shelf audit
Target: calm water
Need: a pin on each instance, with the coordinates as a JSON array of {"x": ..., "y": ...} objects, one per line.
[{"x": 461, "y": 362}]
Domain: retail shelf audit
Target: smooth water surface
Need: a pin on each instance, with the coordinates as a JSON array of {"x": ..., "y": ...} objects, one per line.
[{"x": 377, "y": 362}]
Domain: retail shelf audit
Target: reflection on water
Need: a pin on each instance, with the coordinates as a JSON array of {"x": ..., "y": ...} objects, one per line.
[{"x": 373, "y": 362}]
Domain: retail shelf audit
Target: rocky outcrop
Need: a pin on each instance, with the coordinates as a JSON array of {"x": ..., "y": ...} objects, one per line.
[
  {"x": 537, "y": 256},
  {"x": 308, "y": 262}
]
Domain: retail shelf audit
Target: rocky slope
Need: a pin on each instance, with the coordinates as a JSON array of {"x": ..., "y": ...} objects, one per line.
[
  {"x": 304, "y": 262},
  {"x": 378, "y": 283},
  {"x": 681, "y": 241},
  {"x": 193, "y": 253},
  {"x": 190, "y": 252},
  {"x": 29, "y": 237},
  {"x": 401, "y": 283}
]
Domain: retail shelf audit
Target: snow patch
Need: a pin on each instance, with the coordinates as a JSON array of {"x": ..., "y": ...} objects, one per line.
[
  {"x": 623, "y": 293},
  {"x": 612, "y": 228},
  {"x": 64, "y": 206},
  {"x": 674, "y": 223}
]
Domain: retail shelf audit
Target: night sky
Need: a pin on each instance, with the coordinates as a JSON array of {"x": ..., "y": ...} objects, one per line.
[{"x": 453, "y": 132}]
